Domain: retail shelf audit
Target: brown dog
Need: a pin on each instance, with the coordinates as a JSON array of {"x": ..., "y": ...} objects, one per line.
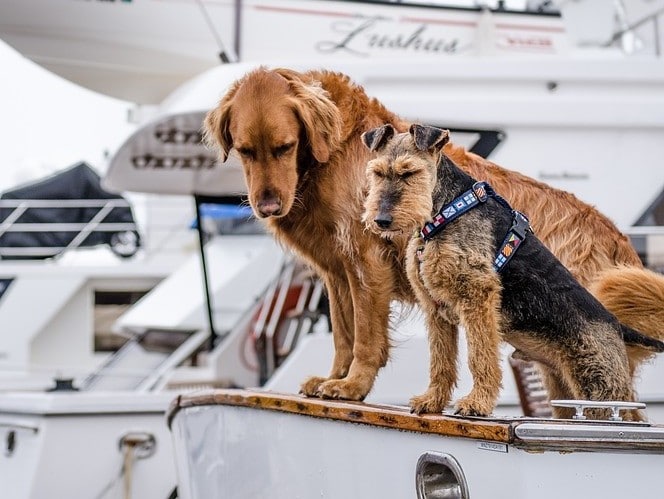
[
  {"x": 525, "y": 296},
  {"x": 298, "y": 137}
]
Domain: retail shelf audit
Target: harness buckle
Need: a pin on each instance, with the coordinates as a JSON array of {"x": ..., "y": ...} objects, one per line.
[{"x": 520, "y": 224}]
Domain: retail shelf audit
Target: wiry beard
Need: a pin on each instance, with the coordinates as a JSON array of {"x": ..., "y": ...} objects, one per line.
[
  {"x": 382, "y": 233},
  {"x": 389, "y": 234}
]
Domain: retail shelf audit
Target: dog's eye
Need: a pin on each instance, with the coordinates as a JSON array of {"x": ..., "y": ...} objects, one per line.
[
  {"x": 406, "y": 175},
  {"x": 378, "y": 174},
  {"x": 283, "y": 149},
  {"x": 246, "y": 152}
]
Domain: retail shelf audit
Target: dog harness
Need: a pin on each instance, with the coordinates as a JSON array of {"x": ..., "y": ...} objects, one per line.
[{"x": 479, "y": 193}]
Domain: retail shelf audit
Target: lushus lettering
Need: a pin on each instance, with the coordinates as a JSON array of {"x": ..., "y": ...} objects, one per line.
[{"x": 363, "y": 37}]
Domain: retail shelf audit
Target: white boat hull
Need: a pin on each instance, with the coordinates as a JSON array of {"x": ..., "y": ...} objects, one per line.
[
  {"x": 249, "y": 448},
  {"x": 69, "y": 445},
  {"x": 143, "y": 49}
]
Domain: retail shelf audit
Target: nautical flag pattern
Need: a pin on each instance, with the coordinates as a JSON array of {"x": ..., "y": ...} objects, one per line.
[
  {"x": 515, "y": 236},
  {"x": 469, "y": 199},
  {"x": 459, "y": 206}
]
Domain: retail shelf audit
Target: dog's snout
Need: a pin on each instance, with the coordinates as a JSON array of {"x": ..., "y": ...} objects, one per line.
[
  {"x": 383, "y": 220},
  {"x": 269, "y": 205}
]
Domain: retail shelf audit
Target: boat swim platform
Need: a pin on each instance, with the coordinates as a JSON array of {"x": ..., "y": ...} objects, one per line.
[{"x": 526, "y": 433}]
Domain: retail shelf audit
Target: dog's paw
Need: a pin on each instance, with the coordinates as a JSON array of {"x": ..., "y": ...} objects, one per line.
[
  {"x": 429, "y": 402},
  {"x": 344, "y": 389},
  {"x": 471, "y": 406},
  {"x": 311, "y": 386}
]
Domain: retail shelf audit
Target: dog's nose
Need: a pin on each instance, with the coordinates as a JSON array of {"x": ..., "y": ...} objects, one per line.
[
  {"x": 383, "y": 221},
  {"x": 269, "y": 207}
]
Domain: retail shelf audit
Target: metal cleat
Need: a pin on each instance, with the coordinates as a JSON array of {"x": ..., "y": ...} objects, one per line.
[{"x": 581, "y": 405}]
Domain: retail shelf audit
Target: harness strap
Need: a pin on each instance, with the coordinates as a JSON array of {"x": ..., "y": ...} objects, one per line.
[
  {"x": 479, "y": 193},
  {"x": 515, "y": 236}
]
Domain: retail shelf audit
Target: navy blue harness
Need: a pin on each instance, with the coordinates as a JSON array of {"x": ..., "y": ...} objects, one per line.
[{"x": 480, "y": 192}]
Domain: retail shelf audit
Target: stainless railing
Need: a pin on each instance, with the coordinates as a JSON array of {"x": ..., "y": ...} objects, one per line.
[
  {"x": 83, "y": 229},
  {"x": 277, "y": 328},
  {"x": 653, "y": 18}
]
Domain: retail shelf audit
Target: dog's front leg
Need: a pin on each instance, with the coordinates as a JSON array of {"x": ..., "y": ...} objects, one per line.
[
  {"x": 341, "y": 316},
  {"x": 371, "y": 306},
  {"x": 482, "y": 324},
  {"x": 443, "y": 347}
]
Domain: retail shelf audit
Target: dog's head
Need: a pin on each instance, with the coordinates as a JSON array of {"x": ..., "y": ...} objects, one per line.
[
  {"x": 401, "y": 178},
  {"x": 280, "y": 124}
]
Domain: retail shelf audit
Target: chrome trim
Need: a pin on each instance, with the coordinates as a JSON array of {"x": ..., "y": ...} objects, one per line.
[
  {"x": 19, "y": 426},
  {"x": 566, "y": 433},
  {"x": 142, "y": 442},
  {"x": 440, "y": 459}
]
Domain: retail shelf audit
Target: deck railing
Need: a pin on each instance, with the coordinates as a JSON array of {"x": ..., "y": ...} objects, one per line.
[
  {"x": 654, "y": 19},
  {"x": 94, "y": 222}
]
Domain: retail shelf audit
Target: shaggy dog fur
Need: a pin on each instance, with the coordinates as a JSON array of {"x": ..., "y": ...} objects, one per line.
[
  {"x": 298, "y": 137},
  {"x": 534, "y": 303}
]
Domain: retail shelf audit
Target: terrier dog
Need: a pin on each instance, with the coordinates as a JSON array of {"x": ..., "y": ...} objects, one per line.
[{"x": 476, "y": 263}]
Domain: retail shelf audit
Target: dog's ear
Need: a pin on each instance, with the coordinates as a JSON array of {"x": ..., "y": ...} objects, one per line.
[
  {"x": 216, "y": 125},
  {"x": 429, "y": 137},
  {"x": 376, "y": 138},
  {"x": 319, "y": 116}
]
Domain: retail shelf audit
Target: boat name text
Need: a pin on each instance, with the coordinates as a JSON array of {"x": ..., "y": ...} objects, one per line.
[{"x": 362, "y": 37}]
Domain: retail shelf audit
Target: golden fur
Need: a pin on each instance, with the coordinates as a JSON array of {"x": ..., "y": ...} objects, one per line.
[
  {"x": 304, "y": 166},
  {"x": 298, "y": 137}
]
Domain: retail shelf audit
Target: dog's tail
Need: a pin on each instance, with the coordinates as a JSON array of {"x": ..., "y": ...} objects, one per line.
[
  {"x": 635, "y": 296},
  {"x": 634, "y": 338}
]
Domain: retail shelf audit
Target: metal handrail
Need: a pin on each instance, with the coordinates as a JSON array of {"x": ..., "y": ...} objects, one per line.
[
  {"x": 654, "y": 17},
  {"x": 305, "y": 316},
  {"x": 301, "y": 317},
  {"x": 279, "y": 303},
  {"x": 63, "y": 203},
  {"x": 69, "y": 227},
  {"x": 644, "y": 230},
  {"x": 83, "y": 229}
]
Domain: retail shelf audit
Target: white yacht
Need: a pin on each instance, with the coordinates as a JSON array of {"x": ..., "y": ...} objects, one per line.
[{"x": 573, "y": 103}]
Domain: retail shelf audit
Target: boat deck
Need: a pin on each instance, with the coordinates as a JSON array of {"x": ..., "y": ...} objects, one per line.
[{"x": 530, "y": 434}]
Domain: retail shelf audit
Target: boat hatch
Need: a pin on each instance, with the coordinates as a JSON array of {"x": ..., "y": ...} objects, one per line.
[{"x": 440, "y": 475}]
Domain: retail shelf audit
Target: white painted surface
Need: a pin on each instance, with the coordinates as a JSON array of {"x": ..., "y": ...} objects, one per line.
[
  {"x": 162, "y": 44},
  {"x": 67, "y": 445},
  {"x": 47, "y": 316},
  {"x": 240, "y": 268},
  {"x": 225, "y": 451}
]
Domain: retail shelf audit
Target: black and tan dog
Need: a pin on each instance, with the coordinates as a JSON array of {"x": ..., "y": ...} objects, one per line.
[{"x": 476, "y": 263}]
